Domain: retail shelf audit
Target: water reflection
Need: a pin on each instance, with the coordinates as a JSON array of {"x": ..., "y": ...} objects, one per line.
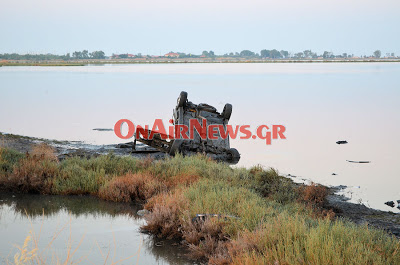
[
  {"x": 35, "y": 205},
  {"x": 104, "y": 225}
]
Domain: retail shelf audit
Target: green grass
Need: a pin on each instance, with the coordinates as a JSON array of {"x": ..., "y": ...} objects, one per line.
[
  {"x": 8, "y": 158},
  {"x": 297, "y": 240}
]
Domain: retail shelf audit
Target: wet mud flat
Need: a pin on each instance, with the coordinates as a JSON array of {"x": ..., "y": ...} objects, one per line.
[
  {"x": 361, "y": 214},
  {"x": 66, "y": 149}
]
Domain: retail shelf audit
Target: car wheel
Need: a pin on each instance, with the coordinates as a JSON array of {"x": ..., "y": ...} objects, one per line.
[
  {"x": 227, "y": 112},
  {"x": 234, "y": 155},
  {"x": 182, "y": 99}
]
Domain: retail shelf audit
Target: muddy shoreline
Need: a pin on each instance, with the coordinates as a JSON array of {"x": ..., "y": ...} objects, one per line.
[
  {"x": 66, "y": 149},
  {"x": 357, "y": 213}
]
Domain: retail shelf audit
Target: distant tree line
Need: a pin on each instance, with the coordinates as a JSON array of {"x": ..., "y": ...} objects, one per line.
[
  {"x": 47, "y": 57},
  {"x": 275, "y": 54},
  {"x": 31, "y": 57},
  {"x": 263, "y": 54},
  {"x": 86, "y": 55}
]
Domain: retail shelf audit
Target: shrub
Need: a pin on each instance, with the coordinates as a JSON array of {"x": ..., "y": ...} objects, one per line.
[
  {"x": 33, "y": 174},
  {"x": 8, "y": 159},
  {"x": 313, "y": 194},
  {"x": 206, "y": 238},
  {"x": 218, "y": 197},
  {"x": 270, "y": 184},
  {"x": 165, "y": 218},
  {"x": 131, "y": 187},
  {"x": 74, "y": 179},
  {"x": 111, "y": 165},
  {"x": 44, "y": 151}
]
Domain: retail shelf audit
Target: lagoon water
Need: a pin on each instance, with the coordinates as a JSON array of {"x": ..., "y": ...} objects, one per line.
[
  {"x": 94, "y": 231},
  {"x": 318, "y": 103}
]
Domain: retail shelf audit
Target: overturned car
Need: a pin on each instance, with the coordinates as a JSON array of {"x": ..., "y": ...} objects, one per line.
[{"x": 184, "y": 113}]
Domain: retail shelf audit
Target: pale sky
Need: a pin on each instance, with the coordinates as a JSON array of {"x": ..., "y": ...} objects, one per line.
[{"x": 159, "y": 26}]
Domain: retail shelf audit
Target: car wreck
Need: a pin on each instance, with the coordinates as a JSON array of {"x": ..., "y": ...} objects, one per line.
[{"x": 218, "y": 148}]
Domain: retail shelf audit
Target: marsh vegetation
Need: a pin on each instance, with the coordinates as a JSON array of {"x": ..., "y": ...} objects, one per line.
[{"x": 275, "y": 221}]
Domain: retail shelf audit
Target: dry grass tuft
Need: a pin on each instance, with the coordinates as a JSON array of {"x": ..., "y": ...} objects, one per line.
[
  {"x": 207, "y": 240},
  {"x": 146, "y": 162},
  {"x": 181, "y": 180},
  {"x": 131, "y": 187},
  {"x": 314, "y": 197},
  {"x": 164, "y": 220},
  {"x": 211, "y": 249},
  {"x": 142, "y": 186},
  {"x": 26, "y": 255},
  {"x": 44, "y": 151},
  {"x": 33, "y": 174},
  {"x": 314, "y": 194}
]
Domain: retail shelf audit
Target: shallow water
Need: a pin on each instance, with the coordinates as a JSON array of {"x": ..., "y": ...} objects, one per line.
[
  {"x": 103, "y": 227},
  {"x": 319, "y": 103}
]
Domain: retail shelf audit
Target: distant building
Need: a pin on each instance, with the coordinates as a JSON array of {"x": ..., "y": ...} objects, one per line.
[
  {"x": 123, "y": 56},
  {"x": 172, "y": 55}
]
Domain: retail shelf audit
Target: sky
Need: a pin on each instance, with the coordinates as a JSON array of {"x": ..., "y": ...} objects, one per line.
[{"x": 158, "y": 26}]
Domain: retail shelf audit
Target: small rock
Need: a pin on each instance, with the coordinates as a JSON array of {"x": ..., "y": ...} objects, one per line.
[
  {"x": 390, "y": 203},
  {"x": 125, "y": 145},
  {"x": 159, "y": 244},
  {"x": 398, "y": 201},
  {"x": 143, "y": 212},
  {"x": 342, "y": 142},
  {"x": 103, "y": 129},
  {"x": 334, "y": 174}
]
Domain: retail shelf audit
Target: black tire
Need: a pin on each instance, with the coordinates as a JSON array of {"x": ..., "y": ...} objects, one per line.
[
  {"x": 182, "y": 99},
  {"x": 227, "y": 112},
  {"x": 234, "y": 155}
]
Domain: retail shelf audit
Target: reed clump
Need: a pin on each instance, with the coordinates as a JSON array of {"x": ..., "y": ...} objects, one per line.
[
  {"x": 313, "y": 194},
  {"x": 298, "y": 240},
  {"x": 33, "y": 174},
  {"x": 131, "y": 187},
  {"x": 44, "y": 151},
  {"x": 8, "y": 158}
]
